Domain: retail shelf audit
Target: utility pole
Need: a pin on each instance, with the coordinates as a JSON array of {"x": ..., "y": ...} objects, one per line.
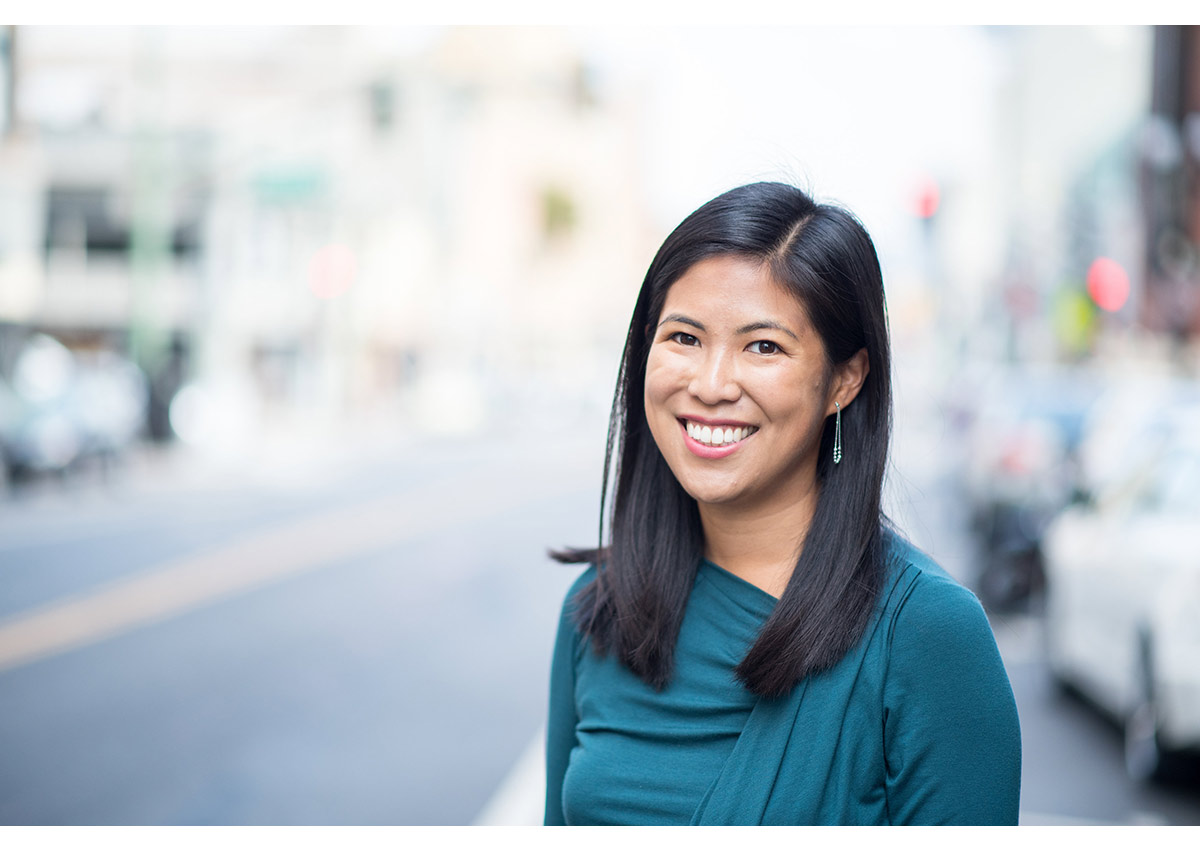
[{"x": 149, "y": 238}]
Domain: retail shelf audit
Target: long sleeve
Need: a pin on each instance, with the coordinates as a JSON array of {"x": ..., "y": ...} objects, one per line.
[
  {"x": 562, "y": 717},
  {"x": 951, "y": 732}
]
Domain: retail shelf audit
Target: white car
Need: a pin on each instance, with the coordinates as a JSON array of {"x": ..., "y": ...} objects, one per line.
[{"x": 1123, "y": 590}]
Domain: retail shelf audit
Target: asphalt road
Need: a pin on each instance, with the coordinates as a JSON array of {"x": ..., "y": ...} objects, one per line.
[
  {"x": 358, "y": 635},
  {"x": 392, "y": 680}
]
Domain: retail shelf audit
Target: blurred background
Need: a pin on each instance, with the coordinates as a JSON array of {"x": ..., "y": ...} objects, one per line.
[{"x": 308, "y": 338}]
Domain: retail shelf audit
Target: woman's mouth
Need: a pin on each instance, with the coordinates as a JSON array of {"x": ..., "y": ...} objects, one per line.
[
  {"x": 718, "y": 436},
  {"x": 705, "y": 436}
]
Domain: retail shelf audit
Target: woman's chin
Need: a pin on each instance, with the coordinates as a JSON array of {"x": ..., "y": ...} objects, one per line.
[{"x": 710, "y": 493}]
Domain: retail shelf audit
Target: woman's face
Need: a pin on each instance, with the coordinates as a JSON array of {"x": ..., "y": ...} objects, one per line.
[{"x": 737, "y": 386}]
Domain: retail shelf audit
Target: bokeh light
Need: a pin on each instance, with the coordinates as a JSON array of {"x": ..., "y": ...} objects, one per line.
[
  {"x": 927, "y": 198},
  {"x": 1108, "y": 284}
]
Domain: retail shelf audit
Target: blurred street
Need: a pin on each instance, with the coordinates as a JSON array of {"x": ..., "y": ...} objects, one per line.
[
  {"x": 396, "y": 679},
  {"x": 308, "y": 337},
  {"x": 393, "y": 683}
]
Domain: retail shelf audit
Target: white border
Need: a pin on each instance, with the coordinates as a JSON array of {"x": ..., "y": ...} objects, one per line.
[{"x": 631, "y": 14}]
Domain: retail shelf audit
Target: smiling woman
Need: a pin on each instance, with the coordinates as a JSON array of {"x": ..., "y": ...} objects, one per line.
[
  {"x": 756, "y": 645},
  {"x": 748, "y": 381}
]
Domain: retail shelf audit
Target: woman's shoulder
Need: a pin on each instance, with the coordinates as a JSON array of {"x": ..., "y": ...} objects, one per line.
[
  {"x": 570, "y": 604},
  {"x": 932, "y": 621},
  {"x": 570, "y": 641},
  {"x": 921, "y": 596},
  {"x": 584, "y": 578}
]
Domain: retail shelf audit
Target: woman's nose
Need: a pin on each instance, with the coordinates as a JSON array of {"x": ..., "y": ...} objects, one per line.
[{"x": 715, "y": 380}]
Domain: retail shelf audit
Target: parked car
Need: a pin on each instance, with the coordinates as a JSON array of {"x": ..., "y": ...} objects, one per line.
[
  {"x": 1122, "y": 612},
  {"x": 61, "y": 409},
  {"x": 111, "y": 396}
]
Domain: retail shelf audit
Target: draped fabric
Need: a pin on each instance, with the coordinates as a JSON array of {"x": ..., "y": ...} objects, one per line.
[{"x": 916, "y": 725}]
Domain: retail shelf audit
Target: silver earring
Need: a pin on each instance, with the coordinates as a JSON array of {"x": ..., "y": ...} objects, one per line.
[{"x": 837, "y": 435}]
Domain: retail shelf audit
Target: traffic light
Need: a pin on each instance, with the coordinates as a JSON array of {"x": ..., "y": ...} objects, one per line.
[
  {"x": 1108, "y": 284},
  {"x": 926, "y": 199}
]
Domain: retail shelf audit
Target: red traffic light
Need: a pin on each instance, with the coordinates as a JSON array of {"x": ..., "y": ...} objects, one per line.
[
  {"x": 1108, "y": 284},
  {"x": 926, "y": 199}
]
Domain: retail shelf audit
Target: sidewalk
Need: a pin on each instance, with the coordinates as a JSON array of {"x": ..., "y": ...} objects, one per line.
[{"x": 520, "y": 798}]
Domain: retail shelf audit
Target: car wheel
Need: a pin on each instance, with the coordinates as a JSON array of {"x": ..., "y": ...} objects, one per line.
[{"x": 1145, "y": 757}]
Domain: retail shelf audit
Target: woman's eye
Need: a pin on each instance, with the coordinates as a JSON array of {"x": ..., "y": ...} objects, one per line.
[
  {"x": 764, "y": 347},
  {"x": 684, "y": 339}
]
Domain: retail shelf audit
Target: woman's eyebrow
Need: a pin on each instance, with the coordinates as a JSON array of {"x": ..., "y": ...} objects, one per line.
[
  {"x": 679, "y": 317},
  {"x": 760, "y": 326}
]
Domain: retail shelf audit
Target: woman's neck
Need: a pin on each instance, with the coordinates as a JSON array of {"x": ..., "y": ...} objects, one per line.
[{"x": 759, "y": 544}]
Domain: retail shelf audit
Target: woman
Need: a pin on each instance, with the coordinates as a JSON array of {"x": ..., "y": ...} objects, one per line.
[{"x": 756, "y": 646}]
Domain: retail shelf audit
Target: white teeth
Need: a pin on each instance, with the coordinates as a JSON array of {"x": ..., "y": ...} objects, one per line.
[{"x": 719, "y": 436}]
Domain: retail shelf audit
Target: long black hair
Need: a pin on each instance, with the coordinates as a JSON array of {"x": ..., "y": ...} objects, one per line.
[{"x": 634, "y": 607}]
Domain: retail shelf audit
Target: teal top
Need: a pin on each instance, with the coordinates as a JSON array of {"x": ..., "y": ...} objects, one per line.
[{"x": 916, "y": 725}]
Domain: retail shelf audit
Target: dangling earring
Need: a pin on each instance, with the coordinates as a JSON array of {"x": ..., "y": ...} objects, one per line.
[{"x": 837, "y": 435}]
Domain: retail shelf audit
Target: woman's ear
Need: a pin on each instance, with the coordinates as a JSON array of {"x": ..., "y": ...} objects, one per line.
[{"x": 848, "y": 378}]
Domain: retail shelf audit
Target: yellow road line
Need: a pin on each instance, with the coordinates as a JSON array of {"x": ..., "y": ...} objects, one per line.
[{"x": 271, "y": 556}]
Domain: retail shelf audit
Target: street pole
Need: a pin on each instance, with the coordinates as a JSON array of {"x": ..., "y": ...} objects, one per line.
[{"x": 149, "y": 238}]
